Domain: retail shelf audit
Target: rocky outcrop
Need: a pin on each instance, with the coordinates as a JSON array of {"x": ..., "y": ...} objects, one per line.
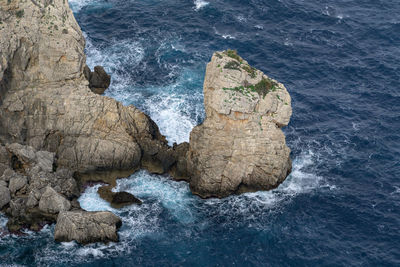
[
  {"x": 99, "y": 80},
  {"x": 240, "y": 146},
  {"x": 53, "y": 126},
  {"x": 46, "y": 102},
  {"x": 31, "y": 191},
  {"x": 87, "y": 227}
]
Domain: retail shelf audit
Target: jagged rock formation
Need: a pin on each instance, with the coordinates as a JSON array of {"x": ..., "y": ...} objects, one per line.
[
  {"x": 32, "y": 191},
  {"x": 51, "y": 122},
  {"x": 56, "y": 134},
  {"x": 45, "y": 101},
  {"x": 87, "y": 227},
  {"x": 240, "y": 146}
]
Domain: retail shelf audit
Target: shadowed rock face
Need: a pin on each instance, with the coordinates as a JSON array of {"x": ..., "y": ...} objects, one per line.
[
  {"x": 99, "y": 80},
  {"x": 240, "y": 146}
]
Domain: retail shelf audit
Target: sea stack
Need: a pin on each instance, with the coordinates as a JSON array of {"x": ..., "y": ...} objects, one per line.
[{"x": 240, "y": 146}]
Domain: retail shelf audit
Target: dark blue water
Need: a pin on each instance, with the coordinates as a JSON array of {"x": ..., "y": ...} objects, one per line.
[{"x": 340, "y": 63}]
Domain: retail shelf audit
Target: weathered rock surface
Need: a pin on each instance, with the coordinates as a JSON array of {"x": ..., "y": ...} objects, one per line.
[
  {"x": 99, "y": 80},
  {"x": 45, "y": 100},
  {"x": 31, "y": 192},
  {"x": 4, "y": 196},
  {"x": 87, "y": 227},
  {"x": 53, "y": 202},
  {"x": 240, "y": 146},
  {"x": 17, "y": 182}
]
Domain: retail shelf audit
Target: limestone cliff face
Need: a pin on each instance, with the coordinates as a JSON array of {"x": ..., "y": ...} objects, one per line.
[
  {"x": 240, "y": 146},
  {"x": 45, "y": 101}
]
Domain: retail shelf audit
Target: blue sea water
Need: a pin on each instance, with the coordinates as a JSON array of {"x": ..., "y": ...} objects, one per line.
[{"x": 341, "y": 204}]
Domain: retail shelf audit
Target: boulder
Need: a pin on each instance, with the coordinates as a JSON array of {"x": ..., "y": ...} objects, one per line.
[
  {"x": 240, "y": 146},
  {"x": 17, "y": 182},
  {"x": 4, "y": 196},
  {"x": 124, "y": 198},
  {"x": 7, "y": 175},
  {"x": 99, "y": 80},
  {"x": 4, "y": 157},
  {"x": 52, "y": 202},
  {"x": 24, "y": 157},
  {"x": 87, "y": 227},
  {"x": 3, "y": 167},
  {"x": 117, "y": 199}
]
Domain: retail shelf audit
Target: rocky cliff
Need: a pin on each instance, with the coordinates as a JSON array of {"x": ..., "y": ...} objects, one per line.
[
  {"x": 51, "y": 123},
  {"x": 45, "y": 100},
  {"x": 240, "y": 146}
]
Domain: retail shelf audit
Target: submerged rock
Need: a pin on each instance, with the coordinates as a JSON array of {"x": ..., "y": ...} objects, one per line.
[
  {"x": 87, "y": 227},
  {"x": 117, "y": 199},
  {"x": 240, "y": 146}
]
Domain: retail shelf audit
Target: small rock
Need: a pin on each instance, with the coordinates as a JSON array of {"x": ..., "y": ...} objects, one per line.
[
  {"x": 53, "y": 202},
  {"x": 32, "y": 201},
  {"x": 3, "y": 167},
  {"x": 7, "y": 174},
  {"x": 4, "y": 158},
  {"x": 25, "y": 154},
  {"x": 17, "y": 182},
  {"x": 45, "y": 160},
  {"x": 4, "y": 196},
  {"x": 87, "y": 227},
  {"x": 99, "y": 80}
]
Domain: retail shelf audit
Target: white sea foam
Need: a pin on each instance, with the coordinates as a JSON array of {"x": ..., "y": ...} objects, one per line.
[
  {"x": 171, "y": 195},
  {"x": 199, "y": 4},
  {"x": 77, "y": 5},
  {"x": 91, "y": 201},
  {"x": 224, "y": 35},
  {"x": 3, "y": 221}
]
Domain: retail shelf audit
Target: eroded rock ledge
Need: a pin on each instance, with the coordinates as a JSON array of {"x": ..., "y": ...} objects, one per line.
[{"x": 57, "y": 132}]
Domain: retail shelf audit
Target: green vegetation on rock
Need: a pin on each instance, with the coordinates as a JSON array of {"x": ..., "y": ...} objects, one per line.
[
  {"x": 233, "y": 54},
  {"x": 263, "y": 87},
  {"x": 252, "y": 71},
  {"x": 232, "y": 65},
  {"x": 19, "y": 13}
]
